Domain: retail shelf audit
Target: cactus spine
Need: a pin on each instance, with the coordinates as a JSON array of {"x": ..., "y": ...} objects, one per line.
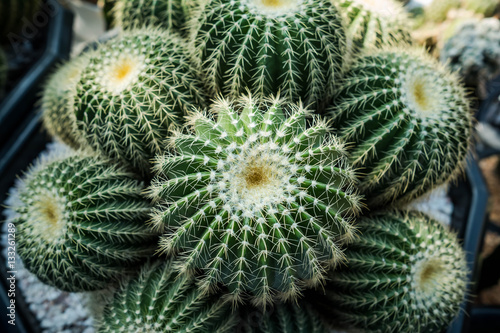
[
  {"x": 293, "y": 46},
  {"x": 406, "y": 274},
  {"x": 134, "y": 88},
  {"x": 408, "y": 120},
  {"x": 81, "y": 222},
  {"x": 58, "y": 101},
  {"x": 282, "y": 318},
  {"x": 168, "y": 14},
  {"x": 159, "y": 301},
  {"x": 373, "y": 23},
  {"x": 261, "y": 202}
]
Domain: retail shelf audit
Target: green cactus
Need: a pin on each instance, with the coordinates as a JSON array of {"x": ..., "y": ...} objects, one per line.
[
  {"x": 3, "y": 72},
  {"x": 406, "y": 274},
  {"x": 168, "y": 14},
  {"x": 58, "y": 100},
  {"x": 133, "y": 89},
  {"x": 408, "y": 120},
  {"x": 282, "y": 318},
  {"x": 295, "y": 47},
  {"x": 160, "y": 301},
  {"x": 372, "y": 23},
  {"x": 81, "y": 222},
  {"x": 14, "y": 13},
  {"x": 261, "y": 202},
  {"x": 485, "y": 7},
  {"x": 438, "y": 10}
]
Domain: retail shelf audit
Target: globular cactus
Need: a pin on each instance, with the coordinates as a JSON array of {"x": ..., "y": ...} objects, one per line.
[
  {"x": 159, "y": 301},
  {"x": 406, "y": 274},
  {"x": 15, "y": 13},
  {"x": 3, "y": 72},
  {"x": 438, "y": 10},
  {"x": 282, "y": 318},
  {"x": 168, "y": 14},
  {"x": 373, "y": 23},
  {"x": 260, "y": 201},
  {"x": 485, "y": 7},
  {"x": 133, "y": 89},
  {"x": 58, "y": 102},
  {"x": 408, "y": 120},
  {"x": 81, "y": 222},
  {"x": 295, "y": 47}
]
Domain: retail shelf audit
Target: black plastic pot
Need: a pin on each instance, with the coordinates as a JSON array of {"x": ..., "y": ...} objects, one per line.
[{"x": 48, "y": 41}]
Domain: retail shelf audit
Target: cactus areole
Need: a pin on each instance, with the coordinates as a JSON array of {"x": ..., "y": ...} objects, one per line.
[{"x": 257, "y": 199}]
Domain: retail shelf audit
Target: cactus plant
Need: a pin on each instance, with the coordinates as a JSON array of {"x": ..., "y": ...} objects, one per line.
[
  {"x": 81, "y": 222},
  {"x": 14, "y": 13},
  {"x": 159, "y": 301},
  {"x": 295, "y": 47},
  {"x": 261, "y": 202},
  {"x": 168, "y": 14},
  {"x": 373, "y": 23},
  {"x": 133, "y": 89},
  {"x": 408, "y": 120},
  {"x": 406, "y": 274},
  {"x": 3, "y": 72},
  {"x": 485, "y": 7},
  {"x": 282, "y": 318},
  {"x": 438, "y": 10},
  {"x": 58, "y": 101}
]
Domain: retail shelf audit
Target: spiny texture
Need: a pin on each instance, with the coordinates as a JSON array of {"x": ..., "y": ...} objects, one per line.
[
  {"x": 134, "y": 88},
  {"x": 485, "y": 7},
  {"x": 438, "y": 10},
  {"x": 282, "y": 318},
  {"x": 168, "y": 14},
  {"x": 3, "y": 71},
  {"x": 295, "y": 47},
  {"x": 474, "y": 51},
  {"x": 159, "y": 301},
  {"x": 81, "y": 222},
  {"x": 58, "y": 100},
  {"x": 259, "y": 200},
  {"x": 14, "y": 13},
  {"x": 374, "y": 23},
  {"x": 408, "y": 121},
  {"x": 406, "y": 274}
]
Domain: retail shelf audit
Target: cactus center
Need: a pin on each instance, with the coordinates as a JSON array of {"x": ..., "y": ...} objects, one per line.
[
  {"x": 422, "y": 94},
  {"x": 122, "y": 73},
  {"x": 429, "y": 275},
  {"x": 275, "y": 6},
  {"x": 50, "y": 211}
]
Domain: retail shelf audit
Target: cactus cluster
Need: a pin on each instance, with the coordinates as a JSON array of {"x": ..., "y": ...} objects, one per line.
[
  {"x": 169, "y": 14},
  {"x": 14, "y": 13},
  {"x": 408, "y": 120},
  {"x": 159, "y": 301},
  {"x": 474, "y": 50},
  {"x": 258, "y": 200},
  {"x": 81, "y": 222},
  {"x": 295, "y": 47},
  {"x": 58, "y": 102},
  {"x": 373, "y": 23},
  {"x": 406, "y": 274},
  {"x": 133, "y": 89}
]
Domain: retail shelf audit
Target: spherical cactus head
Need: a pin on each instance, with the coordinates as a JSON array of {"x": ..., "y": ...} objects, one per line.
[
  {"x": 134, "y": 88},
  {"x": 58, "y": 102},
  {"x": 157, "y": 300},
  {"x": 407, "y": 273},
  {"x": 408, "y": 120},
  {"x": 281, "y": 318},
  {"x": 373, "y": 23},
  {"x": 295, "y": 47},
  {"x": 81, "y": 222},
  {"x": 168, "y": 14},
  {"x": 256, "y": 198}
]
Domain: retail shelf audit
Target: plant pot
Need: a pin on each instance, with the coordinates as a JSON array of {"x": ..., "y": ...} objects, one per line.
[{"x": 32, "y": 54}]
